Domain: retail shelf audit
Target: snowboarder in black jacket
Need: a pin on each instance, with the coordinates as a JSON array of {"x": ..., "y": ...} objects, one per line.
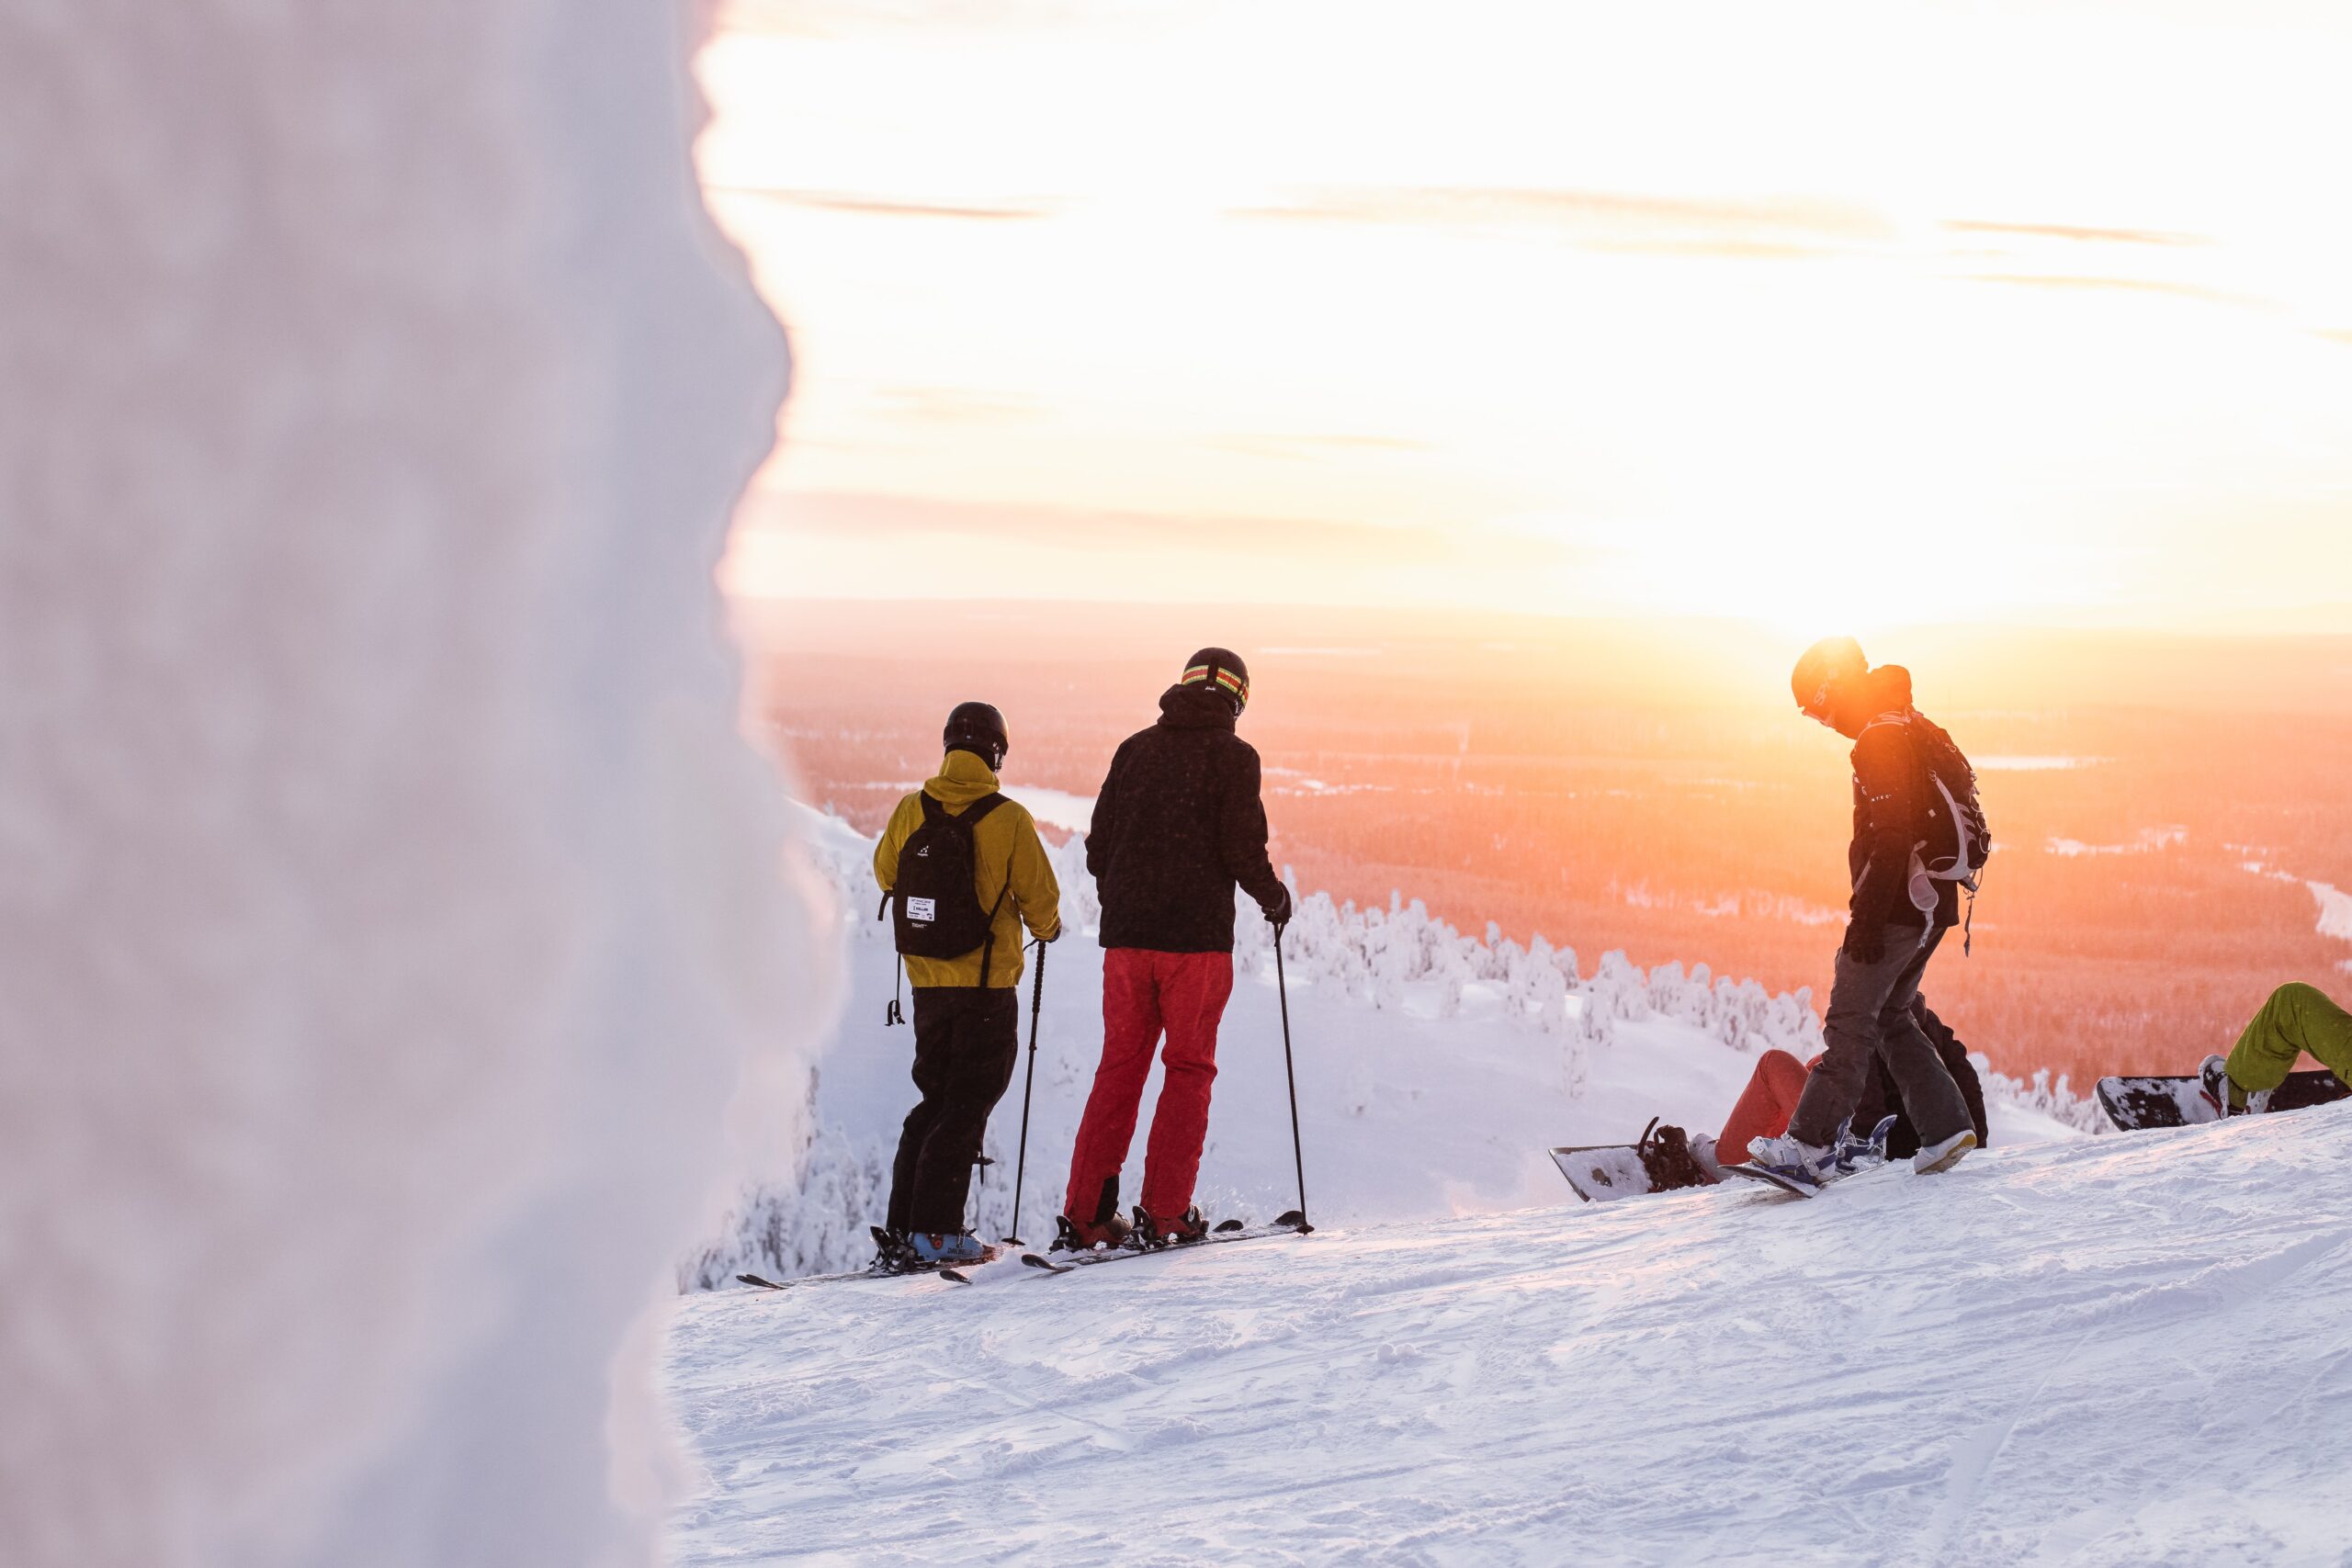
[
  {"x": 1889, "y": 937},
  {"x": 1178, "y": 824}
]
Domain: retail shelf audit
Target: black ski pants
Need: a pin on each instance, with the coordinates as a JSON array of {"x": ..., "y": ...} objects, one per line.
[
  {"x": 967, "y": 1039},
  {"x": 1879, "y": 1097},
  {"x": 1869, "y": 1015}
]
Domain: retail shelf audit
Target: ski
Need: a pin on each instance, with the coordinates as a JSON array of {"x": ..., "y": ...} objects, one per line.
[
  {"x": 903, "y": 1271},
  {"x": 944, "y": 1270},
  {"x": 1290, "y": 1222}
]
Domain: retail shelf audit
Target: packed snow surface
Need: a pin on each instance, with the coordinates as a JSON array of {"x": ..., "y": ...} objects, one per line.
[{"x": 2127, "y": 1349}]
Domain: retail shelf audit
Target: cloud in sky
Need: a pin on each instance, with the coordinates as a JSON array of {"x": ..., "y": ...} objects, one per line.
[
  {"x": 896, "y": 520},
  {"x": 796, "y": 543},
  {"x": 867, "y": 205},
  {"x": 1616, "y": 221},
  {"x": 1310, "y": 448},
  {"x": 2119, "y": 284},
  {"x": 2072, "y": 231}
]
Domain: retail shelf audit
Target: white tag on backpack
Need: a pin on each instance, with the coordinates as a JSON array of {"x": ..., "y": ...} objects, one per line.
[{"x": 922, "y": 911}]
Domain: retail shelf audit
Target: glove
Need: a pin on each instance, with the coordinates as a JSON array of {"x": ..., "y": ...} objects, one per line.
[
  {"x": 1058, "y": 928},
  {"x": 1278, "y": 913},
  {"x": 1865, "y": 942}
]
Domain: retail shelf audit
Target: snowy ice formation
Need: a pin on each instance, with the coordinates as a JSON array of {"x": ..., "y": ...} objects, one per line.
[{"x": 392, "y": 907}]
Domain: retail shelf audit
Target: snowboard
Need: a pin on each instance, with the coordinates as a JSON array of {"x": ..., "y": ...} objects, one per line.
[
  {"x": 2134, "y": 1103},
  {"x": 1602, "y": 1172},
  {"x": 1757, "y": 1173}
]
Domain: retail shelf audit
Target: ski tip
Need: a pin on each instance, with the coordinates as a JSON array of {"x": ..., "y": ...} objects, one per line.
[
  {"x": 762, "y": 1285},
  {"x": 1035, "y": 1262},
  {"x": 951, "y": 1274},
  {"x": 1230, "y": 1226}
]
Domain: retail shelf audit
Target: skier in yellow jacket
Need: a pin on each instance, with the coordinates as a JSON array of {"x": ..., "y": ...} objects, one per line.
[{"x": 968, "y": 872}]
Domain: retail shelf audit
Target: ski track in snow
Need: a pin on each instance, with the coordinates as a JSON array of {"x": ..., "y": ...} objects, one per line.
[{"x": 2128, "y": 1349}]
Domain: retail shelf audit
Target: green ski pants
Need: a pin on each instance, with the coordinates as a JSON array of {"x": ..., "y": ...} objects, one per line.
[{"x": 2296, "y": 1019}]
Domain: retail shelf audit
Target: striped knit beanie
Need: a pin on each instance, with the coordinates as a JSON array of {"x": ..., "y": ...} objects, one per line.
[{"x": 1222, "y": 670}]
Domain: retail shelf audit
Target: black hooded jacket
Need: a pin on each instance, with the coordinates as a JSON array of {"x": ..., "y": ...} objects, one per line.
[
  {"x": 1890, "y": 789},
  {"x": 1177, "y": 824}
]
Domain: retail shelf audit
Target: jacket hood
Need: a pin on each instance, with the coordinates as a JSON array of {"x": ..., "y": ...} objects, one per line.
[
  {"x": 1890, "y": 688},
  {"x": 962, "y": 779},
  {"x": 1886, "y": 689},
  {"x": 1195, "y": 707}
]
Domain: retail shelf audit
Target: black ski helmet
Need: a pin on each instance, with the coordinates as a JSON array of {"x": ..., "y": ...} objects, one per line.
[
  {"x": 978, "y": 728},
  {"x": 1221, "y": 672},
  {"x": 1826, "y": 665}
]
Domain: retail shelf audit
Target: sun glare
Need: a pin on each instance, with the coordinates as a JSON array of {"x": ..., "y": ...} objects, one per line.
[{"x": 1881, "y": 348}]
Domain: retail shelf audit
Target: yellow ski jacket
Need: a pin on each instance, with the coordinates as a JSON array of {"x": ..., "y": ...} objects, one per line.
[{"x": 1008, "y": 852}]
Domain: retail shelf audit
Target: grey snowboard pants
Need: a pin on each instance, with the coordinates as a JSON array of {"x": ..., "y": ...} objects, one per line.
[{"x": 1870, "y": 1012}]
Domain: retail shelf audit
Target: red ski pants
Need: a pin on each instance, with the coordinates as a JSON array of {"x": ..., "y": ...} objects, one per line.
[
  {"x": 1145, "y": 992},
  {"x": 1765, "y": 1105}
]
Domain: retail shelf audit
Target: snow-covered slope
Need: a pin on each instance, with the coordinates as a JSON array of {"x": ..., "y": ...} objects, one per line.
[
  {"x": 1434, "y": 1070},
  {"x": 2128, "y": 1349}
]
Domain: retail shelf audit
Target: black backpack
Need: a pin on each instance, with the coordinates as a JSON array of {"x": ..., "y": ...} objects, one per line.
[
  {"x": 939, "y": 913},
  {"x": 1956, "y": 839}
]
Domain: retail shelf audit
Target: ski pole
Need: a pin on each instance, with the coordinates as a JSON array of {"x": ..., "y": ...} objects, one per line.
[
  {"x": 1021, "y": 1170},
  {"x": 1298, "y": 1157}
]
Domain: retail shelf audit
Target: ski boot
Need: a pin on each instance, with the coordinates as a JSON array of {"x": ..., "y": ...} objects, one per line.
[
  {"x": 2221, "y": 1092},
  {"x": 935, "y": 1249},
  {"x": 1190, "y": 1225},
  {"x": 892, "y": 1254},
  {"x": 1105, "y": 1229},
  {"x": 1085, "y": 1235}
]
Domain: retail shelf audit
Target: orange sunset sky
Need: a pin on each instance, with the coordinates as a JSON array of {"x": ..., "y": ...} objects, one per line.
[{"x": 2013, "y": 311}]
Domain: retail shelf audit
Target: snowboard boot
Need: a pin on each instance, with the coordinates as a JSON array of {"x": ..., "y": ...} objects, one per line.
[
  {"x": 1857, "y": 1155},
  {"x": 1792, "y": 1159},
  {"x": 1943, "y": 1156},
  {"x": 1702, "y": 1149},
  {"x": 945, "y": 1250},
  {"x": 2222, "y": 1093},
  {"x": 1190, "y": 1225}
]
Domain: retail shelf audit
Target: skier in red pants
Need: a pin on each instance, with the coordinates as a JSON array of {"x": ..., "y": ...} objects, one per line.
[{"x": 1178, "y": 823}]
